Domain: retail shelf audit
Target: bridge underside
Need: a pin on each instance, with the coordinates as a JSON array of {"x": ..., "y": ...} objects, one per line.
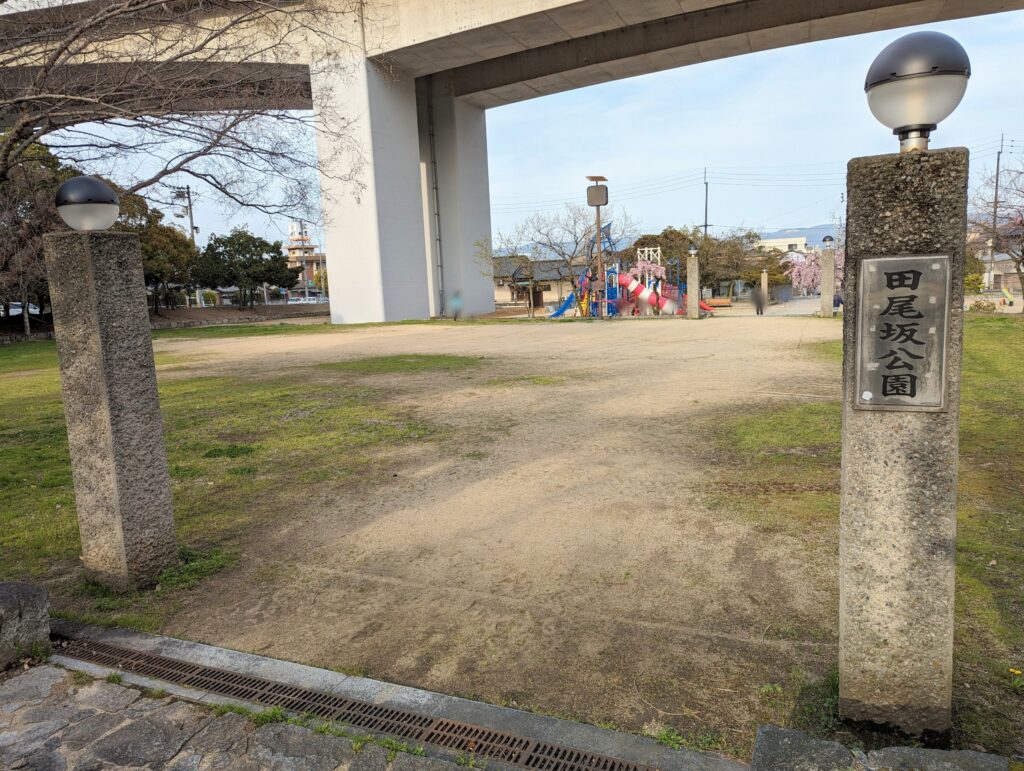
[
  {"x": 411, "y": 238},
  {"x": 597, "y": 41}
]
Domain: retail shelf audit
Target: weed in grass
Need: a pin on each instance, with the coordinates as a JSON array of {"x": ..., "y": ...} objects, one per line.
[
  {"x": 405, "y": 363},
  {"x": 223, "y": 709},
  {"x": 267, "y": 716},
  {"x": 469, "y": 760},
  {"x": 115, "y": 678},
  {"x": 242, "y": 471},
  {"x": 475, "y": 455},
  {"x": 195, "y": 566},
  {"x": 704, "y": 741},
  {"x": 36, "y": 652},
  {"x": 230, "y": 451},
  {"x": 541, "y": 380},
  {"x": 770, "y": 691}
]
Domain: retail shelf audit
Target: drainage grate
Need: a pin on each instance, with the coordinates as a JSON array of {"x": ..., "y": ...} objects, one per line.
[{"x": 422, "y": 729}]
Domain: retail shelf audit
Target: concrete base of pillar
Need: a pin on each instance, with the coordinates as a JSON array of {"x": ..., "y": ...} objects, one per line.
[{"x": 115, "y": 431}]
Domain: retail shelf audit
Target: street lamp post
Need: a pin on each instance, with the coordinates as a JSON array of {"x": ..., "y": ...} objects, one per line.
[
  {"x": 902, "y": 337},
  {"x": 108, "y": 383},
  {"x": 597, "y": 196}
]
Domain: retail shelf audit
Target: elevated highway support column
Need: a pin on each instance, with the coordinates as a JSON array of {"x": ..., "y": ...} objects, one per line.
[
  {"x": 373, "y": 210},
  {"x": 456, "y": 194}
]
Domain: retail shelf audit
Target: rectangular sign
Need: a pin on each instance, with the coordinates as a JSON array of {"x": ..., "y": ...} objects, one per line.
[{"x": 902, "y": 332}]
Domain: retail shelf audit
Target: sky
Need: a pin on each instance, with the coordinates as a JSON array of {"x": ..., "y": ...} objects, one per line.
[{"x": 774, "y": 129}]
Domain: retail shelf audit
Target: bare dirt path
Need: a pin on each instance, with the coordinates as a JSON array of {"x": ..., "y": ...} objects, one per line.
[{"x": 555, "y": 549}]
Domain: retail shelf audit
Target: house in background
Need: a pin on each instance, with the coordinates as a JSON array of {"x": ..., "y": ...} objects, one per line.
[{"x": 513, "y": 277}]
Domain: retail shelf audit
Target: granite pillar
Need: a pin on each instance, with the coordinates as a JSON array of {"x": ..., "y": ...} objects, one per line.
[
  {"x": 899, "y": 468},
  {"x": 764, "y": 288},
  {"x": 693, "y": 286},
  {"x": 115, "y": 432},
  {"x": 828, "y": 282}
]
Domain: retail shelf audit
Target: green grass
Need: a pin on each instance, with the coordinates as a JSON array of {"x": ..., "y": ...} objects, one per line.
[
  {"x": 236, "y": 447},
  {"x": 541, "y": 380},
  {"x": 404, "y": 364},
  {"x": 779, "y": 467}
]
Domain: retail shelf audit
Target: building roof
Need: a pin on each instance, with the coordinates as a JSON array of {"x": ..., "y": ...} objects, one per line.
[{"x": 543, "y": 270}]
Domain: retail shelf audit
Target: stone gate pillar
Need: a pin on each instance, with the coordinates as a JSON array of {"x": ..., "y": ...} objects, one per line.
[
  {"x": 902, "y": 332},
  {"x": 115, "y": 432},
  {"x": 693, "y": 286}
]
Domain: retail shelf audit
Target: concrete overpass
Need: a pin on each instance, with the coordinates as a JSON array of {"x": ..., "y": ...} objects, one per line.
[{"x": 429, "y": 69}]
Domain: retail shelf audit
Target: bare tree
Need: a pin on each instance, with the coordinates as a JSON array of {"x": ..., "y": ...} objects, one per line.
[
  {"x": 569, "y": 237},
  {"x": 511, "y": 253},
  {"x": 146, "y": 90},
  {"x": 1001, "y": 218}
]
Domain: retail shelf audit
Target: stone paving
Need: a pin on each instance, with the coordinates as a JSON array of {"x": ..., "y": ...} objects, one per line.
[{"x": 48, "y": 721}]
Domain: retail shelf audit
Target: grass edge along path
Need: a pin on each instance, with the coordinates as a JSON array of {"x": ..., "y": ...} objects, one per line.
[
  {"x": 787, "y": 460},
  {"x": 231, "y": 441}
]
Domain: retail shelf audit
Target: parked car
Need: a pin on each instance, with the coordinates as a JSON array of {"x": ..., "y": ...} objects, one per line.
[
  {"x": 302, "y": 300},
  {"x": 33, "y": 310}
]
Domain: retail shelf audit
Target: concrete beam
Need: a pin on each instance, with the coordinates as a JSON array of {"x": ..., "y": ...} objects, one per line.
[
  {"x": 213, "y": 86},
  {"x": 701, "y": 35}
]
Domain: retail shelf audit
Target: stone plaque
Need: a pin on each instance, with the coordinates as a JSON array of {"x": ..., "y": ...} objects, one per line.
[{"x": 901, "y": 333}]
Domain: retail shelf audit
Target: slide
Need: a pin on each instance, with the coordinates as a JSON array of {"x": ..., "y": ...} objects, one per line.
[
  {"x": 644, "y": 294},
  {"x": 568, "y": 303},
  {"x": 1008, "y": 295},
  {"x": 703, "y": 305}
]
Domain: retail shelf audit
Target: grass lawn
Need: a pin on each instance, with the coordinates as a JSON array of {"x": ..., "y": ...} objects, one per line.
[
  {"x": 786, "y": 461},
  {"x": 238, "y": 447}
]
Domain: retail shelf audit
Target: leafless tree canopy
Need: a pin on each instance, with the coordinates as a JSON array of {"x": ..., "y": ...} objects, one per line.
[
  {"x": 566, "y": 237},
  {"x": 1001, "y": 218},
  {"x": 216, "y": 90}
]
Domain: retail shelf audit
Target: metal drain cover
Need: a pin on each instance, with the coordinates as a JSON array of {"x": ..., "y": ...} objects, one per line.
[{"x": 374, "y": 718}]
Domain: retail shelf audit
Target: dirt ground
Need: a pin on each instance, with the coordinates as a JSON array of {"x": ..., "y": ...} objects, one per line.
[{"x": 554, "y": 549}]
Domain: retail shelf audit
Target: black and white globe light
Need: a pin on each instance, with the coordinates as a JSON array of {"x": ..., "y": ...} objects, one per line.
[
  {"x": 828, "y": 242},
  {"x": 915, "y": 83},
  {"x": 87, "y": 203},
  {"x": 693, "y": 250}
]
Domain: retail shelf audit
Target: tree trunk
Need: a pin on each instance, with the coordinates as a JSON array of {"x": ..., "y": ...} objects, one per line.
[{"x": 26, "y": 323}]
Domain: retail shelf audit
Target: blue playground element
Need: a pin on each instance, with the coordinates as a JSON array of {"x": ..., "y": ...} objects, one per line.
[
  {"x": 566, "y": 305},
  {"x": 612, "y": 293}
]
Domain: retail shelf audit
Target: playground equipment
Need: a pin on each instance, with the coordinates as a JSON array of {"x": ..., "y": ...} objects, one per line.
[
  {"x": 643, "y": 284},
  {"x": 622, "y": 285},
  {"x": 1007, "y": 296}
]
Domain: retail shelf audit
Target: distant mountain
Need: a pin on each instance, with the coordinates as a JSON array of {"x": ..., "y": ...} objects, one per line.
[{"x": 813, "y": 234}]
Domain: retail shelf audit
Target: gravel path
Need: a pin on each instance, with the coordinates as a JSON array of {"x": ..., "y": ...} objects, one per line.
[{"x": 557, "y": 549}]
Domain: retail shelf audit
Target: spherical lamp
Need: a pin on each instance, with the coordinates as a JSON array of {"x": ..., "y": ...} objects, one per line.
[
  {"x": 693, "y": 249},
  {"x": 915, "y": 83},
  {"x": 87, "y": 203},
  {"x": 828, "y": 242}
]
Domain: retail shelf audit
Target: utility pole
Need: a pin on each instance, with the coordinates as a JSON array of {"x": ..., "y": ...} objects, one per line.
[
  {"x": 705, "y": 203},
  {"x": 597, "y": 196},
  {"x": 995, "y": 218}
]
